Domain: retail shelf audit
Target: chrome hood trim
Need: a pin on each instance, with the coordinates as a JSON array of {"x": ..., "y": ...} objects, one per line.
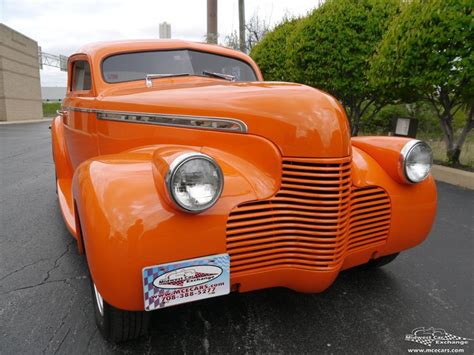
[{"x": 198, "y": 122}]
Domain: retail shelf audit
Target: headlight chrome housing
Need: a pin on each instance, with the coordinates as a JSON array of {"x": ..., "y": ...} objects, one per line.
[
  {"x": 416, "y": 159},
  {"x": 194, "y": 182}
]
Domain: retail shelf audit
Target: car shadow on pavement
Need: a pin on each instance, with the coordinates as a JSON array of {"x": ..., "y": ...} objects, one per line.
[{"x": 272, "y": 321}]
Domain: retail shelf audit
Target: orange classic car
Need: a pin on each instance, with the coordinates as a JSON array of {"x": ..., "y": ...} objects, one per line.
[{"x": 183, "y": 175}]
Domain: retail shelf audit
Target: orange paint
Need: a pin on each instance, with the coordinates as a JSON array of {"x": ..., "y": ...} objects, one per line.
[{"x": 296, "y": 169}]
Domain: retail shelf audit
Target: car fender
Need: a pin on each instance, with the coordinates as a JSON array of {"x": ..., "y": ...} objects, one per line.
[
  {"x": 128, "y": 224},
  {"x": 384, "y": 150},
  {"x": 413, "y": 206}
]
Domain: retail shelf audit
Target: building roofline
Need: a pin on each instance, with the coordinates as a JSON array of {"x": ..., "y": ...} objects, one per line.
[{"x": 18, "y": 33}]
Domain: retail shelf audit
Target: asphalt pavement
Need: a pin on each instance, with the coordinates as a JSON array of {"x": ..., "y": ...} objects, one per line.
[{"x": 45, "y": 303}]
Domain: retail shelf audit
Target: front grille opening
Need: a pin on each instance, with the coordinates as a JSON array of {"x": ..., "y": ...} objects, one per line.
[{"x": 312, "y": 222}]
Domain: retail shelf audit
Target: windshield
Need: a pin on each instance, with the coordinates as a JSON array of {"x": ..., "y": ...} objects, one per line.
[{"x": 135, "y": 66}]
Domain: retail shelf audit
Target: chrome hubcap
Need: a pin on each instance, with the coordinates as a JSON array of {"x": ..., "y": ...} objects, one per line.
[{"x": 99, "y": 300}]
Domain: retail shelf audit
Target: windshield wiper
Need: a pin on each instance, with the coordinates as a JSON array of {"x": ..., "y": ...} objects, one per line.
[
  {"x": 219, "y": 75},
  {"x": 148, "y": 77}
]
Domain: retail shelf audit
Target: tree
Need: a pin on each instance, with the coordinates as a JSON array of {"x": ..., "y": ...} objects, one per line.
[
  {"x": 271, "y": 54},
  {"x": 232, "y": 40},
  {"x": 255, "y": 29},
  {"x": 427, "y": 54},
  {"x": 332, "y": 49}
]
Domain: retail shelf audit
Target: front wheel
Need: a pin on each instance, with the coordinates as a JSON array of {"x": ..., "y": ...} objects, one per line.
[
  {"x": 384, "y": 260},
  {"x": 115, "y": 324}
]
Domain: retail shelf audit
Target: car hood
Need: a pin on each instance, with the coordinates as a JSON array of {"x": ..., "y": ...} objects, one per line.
[{"x": 300, "y": 120}]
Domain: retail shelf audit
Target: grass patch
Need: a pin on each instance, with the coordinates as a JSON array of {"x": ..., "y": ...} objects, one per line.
[
  {"x": 50, "y": 108},
  {"x": 439, "y": 153}
]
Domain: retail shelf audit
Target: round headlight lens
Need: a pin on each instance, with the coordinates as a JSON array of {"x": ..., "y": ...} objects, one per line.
[
  {"x": 195, "y": 182},
  {"x": 417, "y": 159}
]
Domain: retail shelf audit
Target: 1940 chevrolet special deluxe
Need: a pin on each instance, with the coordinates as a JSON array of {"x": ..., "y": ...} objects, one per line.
[{"x": 183, "y": 176}]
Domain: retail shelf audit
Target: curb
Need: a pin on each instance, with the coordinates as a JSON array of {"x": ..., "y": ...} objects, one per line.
[
  {"x": 453, "y": 176},
  {"x": 45, "y": 119}
]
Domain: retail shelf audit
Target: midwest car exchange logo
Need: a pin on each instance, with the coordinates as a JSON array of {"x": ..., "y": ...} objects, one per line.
[{"x": 435, "y": 336}]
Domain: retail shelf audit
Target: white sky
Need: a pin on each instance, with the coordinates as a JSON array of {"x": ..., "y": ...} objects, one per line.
[{"x": 62, "y": 26}]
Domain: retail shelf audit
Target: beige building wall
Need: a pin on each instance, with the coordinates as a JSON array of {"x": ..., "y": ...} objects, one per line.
[{"x": 20, "y": 87}]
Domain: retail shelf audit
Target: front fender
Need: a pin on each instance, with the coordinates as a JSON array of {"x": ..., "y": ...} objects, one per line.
[
  {"x": 127, "y": 224},
  {"x": 413, "y": 206},
  {"x": 385, "y": 151}
]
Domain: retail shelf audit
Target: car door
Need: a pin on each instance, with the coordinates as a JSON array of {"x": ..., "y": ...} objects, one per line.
[{"x": 79, "y": 119}]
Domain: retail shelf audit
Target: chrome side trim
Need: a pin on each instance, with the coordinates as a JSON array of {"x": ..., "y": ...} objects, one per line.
[
  {"x": 79, "y": 109},
  {"x": 198, "y": 122}
]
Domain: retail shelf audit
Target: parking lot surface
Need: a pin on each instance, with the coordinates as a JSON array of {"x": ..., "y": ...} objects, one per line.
[{"x": 45, "y": 304}]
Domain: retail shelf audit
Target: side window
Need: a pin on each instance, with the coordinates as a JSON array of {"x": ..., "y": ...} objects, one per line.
[{"x": 81, "y": 76}]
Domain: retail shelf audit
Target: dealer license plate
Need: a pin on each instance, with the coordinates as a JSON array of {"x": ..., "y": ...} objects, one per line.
[{"x": 186, "y": 281}]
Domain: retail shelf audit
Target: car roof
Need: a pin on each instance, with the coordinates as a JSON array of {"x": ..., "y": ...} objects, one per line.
[{"x": 104, "y": 49}]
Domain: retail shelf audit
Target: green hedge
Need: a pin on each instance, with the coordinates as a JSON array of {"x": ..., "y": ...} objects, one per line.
[{"x": 272, "y": 53}]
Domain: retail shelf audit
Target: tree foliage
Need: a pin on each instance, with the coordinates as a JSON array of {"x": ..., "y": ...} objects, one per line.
[
  {"x": 370, "y": 53},
  {"x": 332, "y": 48},
  {"x": 272, "y": 53},
  {"x": 232, "y": 40},
  {"x": 255, "y": 30},
  {"x": 427, "y": 54}
]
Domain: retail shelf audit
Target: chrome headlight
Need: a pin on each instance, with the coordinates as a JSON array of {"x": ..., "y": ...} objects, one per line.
[
  {"x": 416, "y": 159},
  {"x": 194, "y": 182}
]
